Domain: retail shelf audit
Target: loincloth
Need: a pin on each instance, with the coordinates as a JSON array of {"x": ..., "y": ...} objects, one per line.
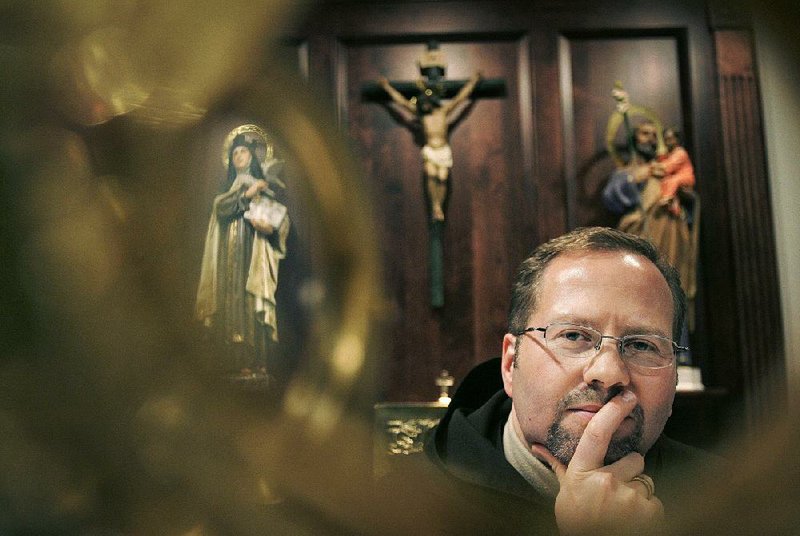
[{"x": 441, "y": 156}]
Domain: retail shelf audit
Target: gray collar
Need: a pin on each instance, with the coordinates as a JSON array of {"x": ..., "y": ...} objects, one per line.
[{"x": 529, "y": 466}]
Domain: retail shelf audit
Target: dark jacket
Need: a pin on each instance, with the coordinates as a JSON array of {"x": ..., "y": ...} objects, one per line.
[{"x": 467, "y": 450}]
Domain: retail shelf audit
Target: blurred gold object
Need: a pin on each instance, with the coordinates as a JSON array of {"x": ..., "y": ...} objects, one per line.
[
  {"x": 113, "y": 419},
  {"x": 163, "y": 62},
  {"x": 97, "y": 79}
]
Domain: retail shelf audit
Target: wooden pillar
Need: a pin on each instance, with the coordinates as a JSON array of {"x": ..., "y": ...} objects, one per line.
[{"x": 757, "y": 299}]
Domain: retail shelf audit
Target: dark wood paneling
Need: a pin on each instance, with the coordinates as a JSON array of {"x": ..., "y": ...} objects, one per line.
[
  {"x": 757, "y": 306},
  {"x": 529, "y": 166},
  {"x": 478, "y": 236},
  {"x": 549, "y": 204}
]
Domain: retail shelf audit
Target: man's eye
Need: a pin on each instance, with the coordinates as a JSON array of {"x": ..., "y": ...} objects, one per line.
[
  {"x": 640, "y": 345},
  {"x": 574, "y": 336}
]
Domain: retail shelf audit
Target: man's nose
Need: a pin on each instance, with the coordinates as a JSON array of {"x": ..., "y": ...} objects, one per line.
[{"x": 607, "y": 367}]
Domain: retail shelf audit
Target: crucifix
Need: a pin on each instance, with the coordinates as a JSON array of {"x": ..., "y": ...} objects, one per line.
[{"x": 432, "y": 104}]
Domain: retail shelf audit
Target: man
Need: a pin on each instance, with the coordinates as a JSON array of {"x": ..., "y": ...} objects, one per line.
[{"x": 569, "y": 429}]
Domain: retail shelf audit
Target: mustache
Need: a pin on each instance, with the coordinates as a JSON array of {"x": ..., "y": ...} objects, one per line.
[
  {"x": 563, "y": 443},
  {"x": 595, "y": 395},
  {"x": 589, "y": 395}
]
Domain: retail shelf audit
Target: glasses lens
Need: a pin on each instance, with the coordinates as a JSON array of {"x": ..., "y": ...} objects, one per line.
[
  {"x": 649, "y": 351},
  {"x": 569, "y": 340}
]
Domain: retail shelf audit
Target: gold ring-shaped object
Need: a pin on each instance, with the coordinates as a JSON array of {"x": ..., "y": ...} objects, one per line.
[
  {"x": 319, "y": 395},
  {"x": 647, "y": 482},
  {"x": 615, "y": 121}
]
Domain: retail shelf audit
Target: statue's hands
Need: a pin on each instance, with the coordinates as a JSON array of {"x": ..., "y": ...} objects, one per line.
[
  {"x": 258, "y": 186},
  {"x": 658, "y": 170},
  {"x": 641, "y": 173},
  {"x": 598, "y": 498},
  {"x": 262, "y": 226},
  {"x": 621, "y": 96}
]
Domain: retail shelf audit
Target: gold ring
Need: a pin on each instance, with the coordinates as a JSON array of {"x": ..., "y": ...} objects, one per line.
[{"x": 647, "y": 482}]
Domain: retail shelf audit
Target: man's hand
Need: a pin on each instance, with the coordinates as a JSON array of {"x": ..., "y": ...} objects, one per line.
[
  {"x": 598, "y": 497},
  {"x": 641, "y": 173},
  {"x": 658, "y": 170}
]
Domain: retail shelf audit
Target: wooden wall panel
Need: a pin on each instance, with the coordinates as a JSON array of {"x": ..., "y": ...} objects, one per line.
[
  {"x": 479, "y": 251},
  {"x": 529, "y": 166},
  {"x": 759, "y": 338}
]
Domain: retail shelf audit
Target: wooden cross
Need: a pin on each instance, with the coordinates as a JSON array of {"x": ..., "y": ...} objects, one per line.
[{"x": 433, "y": 103}]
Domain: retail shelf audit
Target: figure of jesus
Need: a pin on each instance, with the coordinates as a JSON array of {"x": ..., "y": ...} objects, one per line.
[
  {"x": 675, "y": 171},
  {"x": 435, "y": 118}
]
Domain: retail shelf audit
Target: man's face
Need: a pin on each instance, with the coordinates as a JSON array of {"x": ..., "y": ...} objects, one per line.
[
  {"x": 646, "y": 134},
  {"x": 241, "y": 158},
  {"x": 646, "y": 140},
  {"x": 616, "y": 293}
]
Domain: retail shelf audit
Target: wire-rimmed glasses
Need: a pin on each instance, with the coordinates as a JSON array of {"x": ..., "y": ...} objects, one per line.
[{"x": 573, "y": 341}]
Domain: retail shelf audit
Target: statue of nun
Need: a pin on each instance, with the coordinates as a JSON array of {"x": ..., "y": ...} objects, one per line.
[{"x": 245, "y": 243}]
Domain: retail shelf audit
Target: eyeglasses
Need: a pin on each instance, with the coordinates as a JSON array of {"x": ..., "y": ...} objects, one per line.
[{"x": 578, "y": 342}]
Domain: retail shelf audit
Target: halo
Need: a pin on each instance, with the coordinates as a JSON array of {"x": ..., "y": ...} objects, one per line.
[
  {"x": 256, "y": 132},
  {"x": 614, "y": 122}
]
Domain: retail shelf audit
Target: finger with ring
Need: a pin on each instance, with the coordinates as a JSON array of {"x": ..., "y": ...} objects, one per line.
[{"x": 647, "y": 482}]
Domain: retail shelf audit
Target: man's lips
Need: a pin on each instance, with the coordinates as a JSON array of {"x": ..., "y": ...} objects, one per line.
[
  {"x": 591, "y": 408},
  {"x": 587, "y": 411}
]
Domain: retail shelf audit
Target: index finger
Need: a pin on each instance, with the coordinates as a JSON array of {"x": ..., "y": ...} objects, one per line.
[{"x": 593, "y": 445}]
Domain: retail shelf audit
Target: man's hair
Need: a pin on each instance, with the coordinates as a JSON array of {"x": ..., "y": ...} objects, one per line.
[{"x": 527, "y": 286}]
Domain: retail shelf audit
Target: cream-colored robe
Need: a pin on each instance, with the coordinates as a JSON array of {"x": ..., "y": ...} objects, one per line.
[
  {"x": 670, "y": 234},
  {"x": 261, "y": 281}
]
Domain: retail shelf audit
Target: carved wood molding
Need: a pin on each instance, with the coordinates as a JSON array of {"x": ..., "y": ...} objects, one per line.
[{"x": 757, "y": 299}]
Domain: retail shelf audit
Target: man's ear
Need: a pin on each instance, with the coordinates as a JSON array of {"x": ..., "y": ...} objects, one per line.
[{"x": 507, "y": 362}]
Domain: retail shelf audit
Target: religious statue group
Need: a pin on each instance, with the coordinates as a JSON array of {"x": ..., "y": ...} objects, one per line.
[
  {"x": 653, "y": 192},
  {"x": 652, "y": 189}
]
